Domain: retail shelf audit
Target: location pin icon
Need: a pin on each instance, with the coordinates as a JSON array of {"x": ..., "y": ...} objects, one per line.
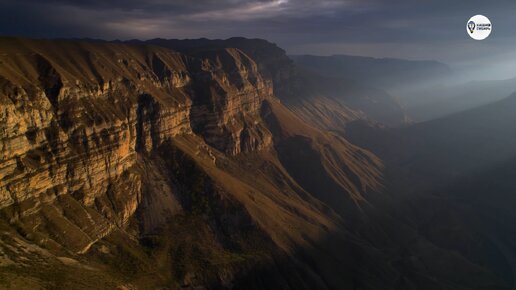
[{"x": 471, "y": 26}]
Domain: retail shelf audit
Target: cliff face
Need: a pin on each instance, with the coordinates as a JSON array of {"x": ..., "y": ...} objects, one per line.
[
  {"x": 273, "y": 62},
  {"x": 73, "y": 126},
  {"x": 103, "y": 142}
]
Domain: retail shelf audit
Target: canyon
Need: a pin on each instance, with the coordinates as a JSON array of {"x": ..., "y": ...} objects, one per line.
[{"x": 208, "y": 164}]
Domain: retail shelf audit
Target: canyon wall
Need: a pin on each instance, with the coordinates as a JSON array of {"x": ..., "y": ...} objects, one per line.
[
  {"x": 109, "y": 150},
  {"x": 75, "y": 116}
]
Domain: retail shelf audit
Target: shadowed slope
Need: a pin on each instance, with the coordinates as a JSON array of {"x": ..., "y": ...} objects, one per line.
[{"x": 454, "y": 179}]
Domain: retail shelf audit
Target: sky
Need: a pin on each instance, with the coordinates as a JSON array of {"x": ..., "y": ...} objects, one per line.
[{"x": 410, "y": 29}]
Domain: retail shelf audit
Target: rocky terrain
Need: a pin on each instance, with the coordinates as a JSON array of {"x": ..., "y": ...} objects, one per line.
[{"x": 190, "y": 165}]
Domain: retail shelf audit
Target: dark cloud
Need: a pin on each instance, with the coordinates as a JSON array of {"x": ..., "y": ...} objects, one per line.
[{"x": 398, "y": 28}]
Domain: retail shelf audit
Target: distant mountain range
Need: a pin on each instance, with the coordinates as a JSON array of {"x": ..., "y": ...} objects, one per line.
[
  {"x": 387, "y": 73},
  {"x": 425, "y": 90}
]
